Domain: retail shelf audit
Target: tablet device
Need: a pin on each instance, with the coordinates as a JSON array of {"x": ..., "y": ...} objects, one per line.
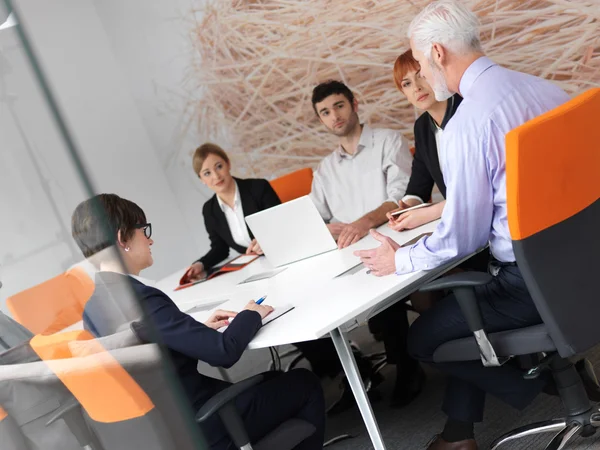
[{"x": 402, "y": 211}]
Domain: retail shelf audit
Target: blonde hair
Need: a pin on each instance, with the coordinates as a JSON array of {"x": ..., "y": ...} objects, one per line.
[{"x": 203, "y": 152}]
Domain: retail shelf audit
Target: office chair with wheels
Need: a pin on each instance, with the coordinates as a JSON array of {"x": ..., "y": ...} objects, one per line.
[
  {"x": 30, "y": 396},
  {"x": 285, "y": 437},
  {"x": 554, "y": 218}
]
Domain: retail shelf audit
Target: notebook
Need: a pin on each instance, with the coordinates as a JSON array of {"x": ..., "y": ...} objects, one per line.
[
  {"x": 202, "y": 316},
  {"x": 235, "y": 264}
]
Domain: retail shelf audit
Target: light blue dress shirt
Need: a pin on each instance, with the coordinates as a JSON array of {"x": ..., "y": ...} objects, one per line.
[{"x": 472, "y": 159}]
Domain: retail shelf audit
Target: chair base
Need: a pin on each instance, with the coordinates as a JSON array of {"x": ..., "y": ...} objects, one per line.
[{"x": 584, "y": 425}]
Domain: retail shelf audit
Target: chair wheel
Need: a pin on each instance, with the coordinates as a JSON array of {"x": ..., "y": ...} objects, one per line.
[{"x": 588, "y": 431}]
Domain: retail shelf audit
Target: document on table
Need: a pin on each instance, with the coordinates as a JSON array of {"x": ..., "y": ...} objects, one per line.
[
  {"x": 263, "y": 275},
  {"x": 203, "y": 315}
]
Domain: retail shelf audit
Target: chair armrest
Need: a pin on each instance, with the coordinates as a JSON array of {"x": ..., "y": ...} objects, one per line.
[
  {"x": 463, "y": 286},
  {"x": 65, "y": 408},
  {"x": 220, "y": 399},
  {"x": 71, "y": 413},
  {"x": 458, "y": 280}
]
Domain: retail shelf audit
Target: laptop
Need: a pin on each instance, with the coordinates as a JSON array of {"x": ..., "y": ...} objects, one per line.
[{"x": 291, "y": 231}]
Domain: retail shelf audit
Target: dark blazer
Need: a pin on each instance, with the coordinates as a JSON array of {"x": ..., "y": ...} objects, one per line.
[
  {"x": 256, "y": 195},
  {"x": 186, "y": 339},
  {"x": 426, "y": 164}
]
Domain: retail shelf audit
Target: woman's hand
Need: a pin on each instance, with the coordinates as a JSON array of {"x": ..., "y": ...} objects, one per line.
[
  {"x": 417, "y": 217},
  {"x": 219, "y": 319},
  {"x": 254, "y": 247},
  {"x": 194, "y": 272},
  {"x": 263, "y": 310}
]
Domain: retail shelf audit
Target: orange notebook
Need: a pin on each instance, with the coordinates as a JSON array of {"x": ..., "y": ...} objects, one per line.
[{"x": 235, "y": 264}]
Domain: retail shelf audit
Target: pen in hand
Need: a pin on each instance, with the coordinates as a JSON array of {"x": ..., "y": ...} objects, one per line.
[{"x": 260, "y": 300}]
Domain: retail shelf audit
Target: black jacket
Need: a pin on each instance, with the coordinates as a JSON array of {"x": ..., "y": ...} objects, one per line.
[
  {"x": 426, "y": 164},
  {"x": 256, "y": 195},
  {"x": 187, "y": 340}
]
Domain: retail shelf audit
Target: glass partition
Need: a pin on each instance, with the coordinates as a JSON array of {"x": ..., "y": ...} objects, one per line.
[{"x": 76, "y": 368}]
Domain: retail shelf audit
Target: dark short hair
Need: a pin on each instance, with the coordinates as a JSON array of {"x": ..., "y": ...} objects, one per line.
[
  {"x": 330, "y": 87},
  {"x": 96, "y": 222},
  {"x": 202, "y": 153}
]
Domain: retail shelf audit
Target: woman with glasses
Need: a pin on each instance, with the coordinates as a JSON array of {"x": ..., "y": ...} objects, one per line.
[
  {"x": 109, "y": 229},
  {"x": 225, "y": 211}
]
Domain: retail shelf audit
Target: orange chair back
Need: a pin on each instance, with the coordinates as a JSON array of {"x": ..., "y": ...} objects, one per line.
[
  {"x": 54, "y": 304},
  {"x": 101, "y": 385},
  {"x": 293, "y": 185},
  {"x": 545, "y": 184}
]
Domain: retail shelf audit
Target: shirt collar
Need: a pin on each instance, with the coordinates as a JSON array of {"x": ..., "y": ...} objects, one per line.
[
  {"x": 476, "y": 68},
  {"x": 365, "y": 141},
  {"x": 236, "y": 199}
]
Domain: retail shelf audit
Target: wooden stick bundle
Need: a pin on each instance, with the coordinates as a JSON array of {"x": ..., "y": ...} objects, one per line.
[{"x": 258, "y": 61}]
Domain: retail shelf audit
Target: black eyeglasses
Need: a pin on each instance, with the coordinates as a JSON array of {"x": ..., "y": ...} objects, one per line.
[{"x": 147, "y": 227}]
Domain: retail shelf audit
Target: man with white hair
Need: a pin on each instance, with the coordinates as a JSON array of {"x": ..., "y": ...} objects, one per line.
[{"x": 444, "y": 39}]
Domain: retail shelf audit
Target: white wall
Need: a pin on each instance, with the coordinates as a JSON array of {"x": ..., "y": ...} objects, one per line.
[
  {"x": 120, "y": 155},
  {"x": 151, "y": 41}
]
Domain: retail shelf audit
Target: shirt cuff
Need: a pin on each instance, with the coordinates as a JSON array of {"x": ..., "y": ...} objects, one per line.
[
  {"x": 412, "y": 197},
  {"x": 403, "y": 262}
]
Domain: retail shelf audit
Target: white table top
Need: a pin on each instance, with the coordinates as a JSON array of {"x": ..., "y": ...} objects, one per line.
[{"x": 321, "y": 301}]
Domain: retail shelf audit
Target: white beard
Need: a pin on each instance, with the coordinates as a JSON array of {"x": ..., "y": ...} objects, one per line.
[{"x": 439, "y": 85}]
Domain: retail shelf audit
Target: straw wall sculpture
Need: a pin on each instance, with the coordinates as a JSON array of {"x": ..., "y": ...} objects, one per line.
[{"x": 257, "y": 62}]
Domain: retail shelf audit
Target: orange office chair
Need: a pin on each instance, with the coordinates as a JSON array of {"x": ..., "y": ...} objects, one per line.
[
  {"x": 293, "y": 185},
  {"x": 557, "y": 250},
  {"x": 54, "y": 304},
  {"x": 120, "y": 413}
]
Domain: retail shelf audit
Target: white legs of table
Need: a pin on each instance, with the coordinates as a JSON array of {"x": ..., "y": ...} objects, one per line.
[{"x": 349, "y": 364}]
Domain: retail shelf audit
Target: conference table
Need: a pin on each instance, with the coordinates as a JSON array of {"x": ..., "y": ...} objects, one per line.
[{"x": 331, "y": 293}]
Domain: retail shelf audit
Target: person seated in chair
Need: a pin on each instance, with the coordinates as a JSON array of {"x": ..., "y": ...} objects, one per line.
[
  {"x": 426, "y": 169},
  {"x": 444, "y": 39},
  {"x": 224, "y": 212},
  {"x": 109, "y": 229},
  {"x": 353, "y": 188}
]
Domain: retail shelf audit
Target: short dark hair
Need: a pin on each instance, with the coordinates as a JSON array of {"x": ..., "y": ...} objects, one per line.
[
  {"x": 96, "y": 222},
  {"x": 330, "y": 87}
]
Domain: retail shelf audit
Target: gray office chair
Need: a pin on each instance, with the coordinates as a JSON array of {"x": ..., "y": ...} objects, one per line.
[
  {"x": 285, "y": 437},
  {"x": 557, "y": 251},
  {"x": 31, "y": 396},
  {"x": 145, "y": 364}
]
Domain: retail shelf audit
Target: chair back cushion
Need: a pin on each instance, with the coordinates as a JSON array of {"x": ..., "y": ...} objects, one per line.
[
  {"x": 54, "y": 304},
  {"x": 293, "y": 185},
  {"x": 553, "y": 198}
]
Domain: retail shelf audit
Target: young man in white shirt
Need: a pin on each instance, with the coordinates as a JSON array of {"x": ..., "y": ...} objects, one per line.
[
  {"x": 365, "y": 176},
  {"x": 353, "y": 188}
]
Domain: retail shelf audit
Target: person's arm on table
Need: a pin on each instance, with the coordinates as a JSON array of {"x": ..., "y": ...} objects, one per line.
[
  {"x": 466, "y": 218},
  {"x": 396, "y": 165},
  {"x": 182, "y": 333},
  {"x": 417, "y": 217},
  {"x": 420, "y": 184},
  {"x": 355, "y": 231},
  {"x": 317, "y": 195},
  {"x": 219, "y": 250}
]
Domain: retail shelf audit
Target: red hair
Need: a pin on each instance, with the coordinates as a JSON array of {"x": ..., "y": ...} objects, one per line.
[{"x": 404, "y": 64}]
